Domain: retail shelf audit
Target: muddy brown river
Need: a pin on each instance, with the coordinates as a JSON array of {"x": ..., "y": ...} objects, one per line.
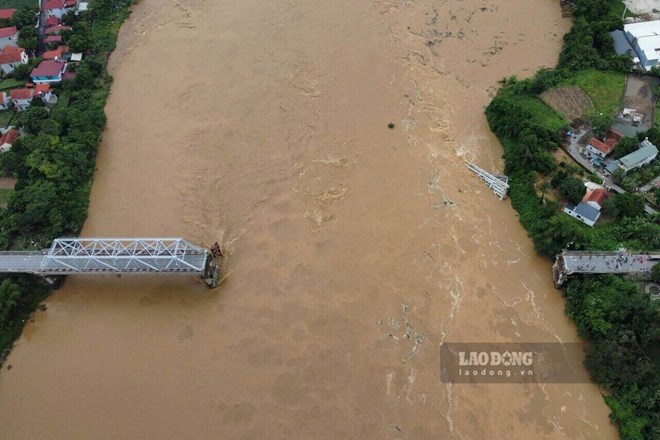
[{"x": 356, "y": 250}]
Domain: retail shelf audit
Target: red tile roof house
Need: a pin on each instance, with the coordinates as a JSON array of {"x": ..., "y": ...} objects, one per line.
[
  {"x": 22, "y": 98},
  {"x": 8, "y": 37},
  {"x": 6, "y": 14},
  {"x": 55, "y": 8},
  {"x": 53, "y": 39},
  {"x": 48, "y": 71},
  {"x": 43, "y": 91},
  {"x": 52, "y": 21},
  {"x": 7, "y": 140},
  {"x": 55, "y": 54},
  {"x": 601, "y": 149},
  {"x": 56, "y": 29},
  {"x": 10, "y": 57},
  {"x": 595, "y": 198}
]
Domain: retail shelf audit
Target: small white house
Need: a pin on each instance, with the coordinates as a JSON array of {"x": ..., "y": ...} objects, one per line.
[
  {"x": 22, "y": 98},
  {"x": 600, "y": 149},
  {"x": 583, "y": 212},
  {"x": 11, "y": 57}
]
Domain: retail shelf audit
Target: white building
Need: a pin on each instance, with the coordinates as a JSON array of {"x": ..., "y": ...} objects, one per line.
[{"x": 644, "y": 37}]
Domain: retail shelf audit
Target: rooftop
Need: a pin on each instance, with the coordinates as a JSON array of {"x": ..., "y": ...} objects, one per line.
[
  {"x": 49, "y": 5},
  {"x": 11, "y": 54},
  {"x": 55, "y": 29},
  {"x": 7, "y": 13},
  {"x": 10, "y": 136},
  {"x": 647, "y": 36},
  {"x": 52, "y": 21},
  {"x": 584, "y": 210},
  {"x": 621, "y": 44},
  {"x": 53, "y": 39},
  {"x": 604, "y": 147},
  {"x": 8, "y": 32},
  {"x": 20, "y": 94},
  {"x": 52, "y": 54},
  {"x": 646, "y": 150},
  {"x": 48, "y": 68},
  {"x": 41, "y": 88},
  {"x": 597, "y": 195}
]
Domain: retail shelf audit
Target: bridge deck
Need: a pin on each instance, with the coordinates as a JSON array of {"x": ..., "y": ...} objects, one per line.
[
  {"x": 606, "y": 262},
  {"x": 113, "y": 255},
  {"x": 21, "y": 262}
]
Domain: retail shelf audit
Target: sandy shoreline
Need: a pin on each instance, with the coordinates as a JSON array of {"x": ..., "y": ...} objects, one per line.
[{"x": 265, "y": 125}]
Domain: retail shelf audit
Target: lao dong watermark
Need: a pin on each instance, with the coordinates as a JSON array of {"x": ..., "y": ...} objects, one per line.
[{"x": 512, "y": 363}]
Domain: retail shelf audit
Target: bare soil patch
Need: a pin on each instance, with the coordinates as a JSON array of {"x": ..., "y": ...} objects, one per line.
[{"x": 570, "y": 101}]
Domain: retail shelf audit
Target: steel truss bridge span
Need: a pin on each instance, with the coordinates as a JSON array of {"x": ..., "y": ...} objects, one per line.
[{"x": 69, "y": 256}]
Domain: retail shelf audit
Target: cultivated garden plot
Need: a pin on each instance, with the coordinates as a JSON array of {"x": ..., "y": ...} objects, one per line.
[{"x": 569, "y": 101}]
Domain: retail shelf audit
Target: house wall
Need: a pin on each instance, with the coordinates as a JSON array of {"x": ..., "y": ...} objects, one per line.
[
  {"x": 594, "y": 205},
  {"x": 56, "y": 12},
  {"x": 46, "y": 79},
  {"x": 579, "y": 217},
  {"x": 22, "y": 104},
  {"x": 9, "y": 41},
  {"x": 9, "y": 67},
  {"x": 595, "y": 151}
]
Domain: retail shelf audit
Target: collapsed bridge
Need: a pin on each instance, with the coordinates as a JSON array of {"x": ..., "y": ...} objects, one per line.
[
  {"x": 616, "y": 262},
  {"x": 73, "y": 256}
]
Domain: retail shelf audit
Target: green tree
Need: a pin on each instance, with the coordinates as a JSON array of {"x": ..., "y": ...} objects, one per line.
[
  {"x": 21, "y": 72},
  {"x": 601, "y": 123},
  {"x": 573, "y": 189},
  {"x": 629, "y": 205},
  {"x": 655, "y": 273},
  {"x": 625, "y": 146},
  {"x": 9, "y": 295},
  {"x": 27, "y": 38}
]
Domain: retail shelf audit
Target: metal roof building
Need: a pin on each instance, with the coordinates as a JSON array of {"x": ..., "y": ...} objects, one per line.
[
  {"x": 646, "y": 153},
  {"x": 645, "y": 39}
]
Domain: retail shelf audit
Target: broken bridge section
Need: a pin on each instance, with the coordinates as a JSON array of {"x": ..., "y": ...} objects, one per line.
[
  {"x": 617, "y": 262},
  {"x": 498, "y": 183},
  {"x": 68, "y": 256}
]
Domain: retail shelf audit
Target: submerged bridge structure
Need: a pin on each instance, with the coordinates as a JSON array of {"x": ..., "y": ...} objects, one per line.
[
  {"x": 78, "y": 256},
  {"x": 617, "y": 262},
  {"x": 497, "y": 182}
]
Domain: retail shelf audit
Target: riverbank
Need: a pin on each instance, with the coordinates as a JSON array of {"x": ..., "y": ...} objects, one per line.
[
  {"x": 270, "y": 132},
  {"x": 52, "y": 163},
  {"x": 616, "y": 318}
]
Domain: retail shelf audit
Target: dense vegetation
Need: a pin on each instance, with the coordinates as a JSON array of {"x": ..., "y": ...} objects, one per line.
[
  {"x": 619, "y": 322},
  {"x": 54, "y": 161}
]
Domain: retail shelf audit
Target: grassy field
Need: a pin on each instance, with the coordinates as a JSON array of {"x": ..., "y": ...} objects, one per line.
[
  {"x": 541, "y": 112},
  {"x": 604, "y": 88},
  {"x": 5, "y": 116},
  {"x": 11, "y": 84}
]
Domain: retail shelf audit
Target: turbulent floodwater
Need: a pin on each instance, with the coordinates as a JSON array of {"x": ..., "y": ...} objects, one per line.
[{"x": 355, "y": 249}]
